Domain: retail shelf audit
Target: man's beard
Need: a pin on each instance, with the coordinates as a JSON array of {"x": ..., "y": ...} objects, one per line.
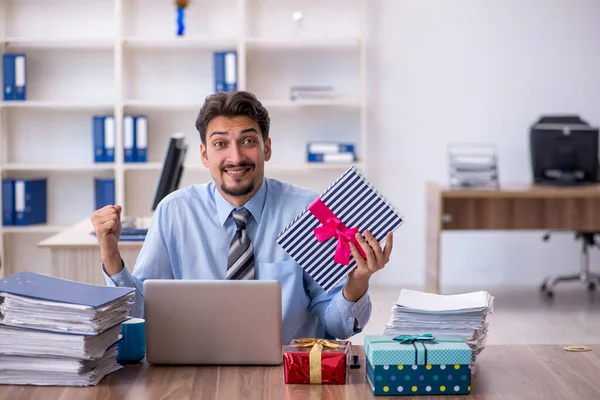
[{"x": 237, "y": 190}]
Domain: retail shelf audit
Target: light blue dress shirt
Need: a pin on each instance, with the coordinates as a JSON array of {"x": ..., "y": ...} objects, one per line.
[{"x": 189, "y": 238}]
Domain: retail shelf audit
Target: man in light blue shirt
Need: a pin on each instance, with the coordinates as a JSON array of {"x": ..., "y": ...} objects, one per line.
[{"x": 190, "y": 236}]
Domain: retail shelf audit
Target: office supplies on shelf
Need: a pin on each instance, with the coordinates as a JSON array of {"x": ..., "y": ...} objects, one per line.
[
  {"x": 225, "y": 70},
  {"x": 564, "y": 151},
  {"x": 8, "y": 202},
  {"x": 59, "y": 332},
  {"x": 140, "y": 135},
  {"x": 330, "y": 152},
  {"x": 15, "y": 76},
  {"x": 473, "y": 165},
  {"x": 312, "y": 93},
  {"x": 463, "y": 314},
  {"x": 104, "y": 191},
  {"x": 103, "y": 133},
  {"x": 30, "y": 201},
  {"x": 128, "y": 138}
]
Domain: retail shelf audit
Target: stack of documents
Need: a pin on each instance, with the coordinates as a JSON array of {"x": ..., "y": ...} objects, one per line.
[
  {"x": 473, "y": 166},
  {"x": 59, "y": 332},
  {"x": 416, "y": 313}
]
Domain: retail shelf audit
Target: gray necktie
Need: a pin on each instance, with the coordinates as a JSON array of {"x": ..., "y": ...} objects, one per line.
[{"x": 240, "y": 263}]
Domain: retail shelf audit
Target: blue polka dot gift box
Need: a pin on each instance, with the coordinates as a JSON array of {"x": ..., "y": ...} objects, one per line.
[{"x": 418, "y": 365}]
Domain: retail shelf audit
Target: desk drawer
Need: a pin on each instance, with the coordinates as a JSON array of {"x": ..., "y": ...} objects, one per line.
[{"x": 521, "y": 213}]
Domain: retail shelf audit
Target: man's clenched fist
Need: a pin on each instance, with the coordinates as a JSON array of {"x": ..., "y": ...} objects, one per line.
[{"x": 107, "y": 224}]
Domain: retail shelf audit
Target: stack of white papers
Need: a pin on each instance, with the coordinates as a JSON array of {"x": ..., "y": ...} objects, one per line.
[
  {"x": 59, "y": 332},
  {"x": 57, "y": 371},
  {"x": 416, "y": 313}
]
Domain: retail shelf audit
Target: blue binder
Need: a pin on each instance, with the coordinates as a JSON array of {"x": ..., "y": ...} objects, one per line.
[
  {"x": 98, "y": 137},
  {"x": 141, "y": 138},
  {"x": 323, "y": 147},
  {"x": 14, "y": 67},
  {"x": 8, "y": 202},
  {"x": 30, "y": 201},
  {"x": 43, "y": 287},
  {"x": 225, "y": 70},
  {"x": 331, "y": 158},
  {"x": 128, "y": 138},
  {"x": 109, "y": 138},
  {"x": 104, "y": 192}
]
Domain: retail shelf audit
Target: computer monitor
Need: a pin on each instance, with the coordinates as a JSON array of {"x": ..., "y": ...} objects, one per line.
[
  {"x": 172, "y": 168},
  {"x": 564, "y": 151}
]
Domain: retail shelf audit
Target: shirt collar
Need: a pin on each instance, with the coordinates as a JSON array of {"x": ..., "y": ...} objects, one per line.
[{"x": 255, "y": 205}]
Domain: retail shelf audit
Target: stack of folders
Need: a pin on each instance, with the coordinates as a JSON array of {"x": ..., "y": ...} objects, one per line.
[
  {"x": 330, "y": 152},
  {"x": 416, "y": 313},
  {"x": 59, "y": 332}
]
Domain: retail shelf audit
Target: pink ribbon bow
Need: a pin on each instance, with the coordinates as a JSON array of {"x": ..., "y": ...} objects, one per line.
[{"x": 332, "y": 226}]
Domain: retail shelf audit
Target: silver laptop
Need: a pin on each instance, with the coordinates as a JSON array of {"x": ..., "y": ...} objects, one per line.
[{"x": 217, "y": 322}]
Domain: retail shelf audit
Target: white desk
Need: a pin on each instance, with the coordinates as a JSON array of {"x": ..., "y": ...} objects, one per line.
[{"x": 75, "y": 254}]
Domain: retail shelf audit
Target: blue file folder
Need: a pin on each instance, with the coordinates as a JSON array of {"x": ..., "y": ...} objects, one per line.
[
  {"x": 104, "y": 192},
  {"x": 8, "y": 202},
  {"x": 141, "y": 139},
  {"x": 30, "y": 201},
  {"x": 98, "y": 137},
  {"x": 15, "y": 76},
  {"x": 225, "y": 70}
]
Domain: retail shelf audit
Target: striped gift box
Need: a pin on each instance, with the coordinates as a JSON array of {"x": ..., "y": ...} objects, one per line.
[{"x": 357, "y": 204}]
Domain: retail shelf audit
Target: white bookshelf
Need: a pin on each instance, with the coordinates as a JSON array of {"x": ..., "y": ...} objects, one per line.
[{"x": 122, "y": 57}]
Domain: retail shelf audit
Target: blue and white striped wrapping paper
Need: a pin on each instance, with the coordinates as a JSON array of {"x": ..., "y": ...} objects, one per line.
[{"x": 357, "y": 203}]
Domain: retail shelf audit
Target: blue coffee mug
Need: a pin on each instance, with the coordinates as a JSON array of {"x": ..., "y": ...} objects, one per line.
[{"x": 132, "y": 348}]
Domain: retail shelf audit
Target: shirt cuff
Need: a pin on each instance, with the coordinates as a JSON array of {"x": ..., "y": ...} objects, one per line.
[
  {"x": 123, "y": 278},
  {"x": 359, "y": 310}
]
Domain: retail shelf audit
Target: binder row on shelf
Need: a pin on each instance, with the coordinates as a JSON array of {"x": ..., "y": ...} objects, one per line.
[
  {"x": 14, "y": 69},
  {"x": 135, "y": 138},
  {"x": 24, "y": 201},
  {"x": 330, "y": 152}
]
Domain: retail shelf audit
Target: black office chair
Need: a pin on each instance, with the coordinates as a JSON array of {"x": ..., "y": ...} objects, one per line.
[{"x": 584, "y": 276}]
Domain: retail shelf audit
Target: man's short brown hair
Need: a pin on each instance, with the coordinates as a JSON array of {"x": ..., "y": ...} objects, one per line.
[{"x": 232, "y": 104}]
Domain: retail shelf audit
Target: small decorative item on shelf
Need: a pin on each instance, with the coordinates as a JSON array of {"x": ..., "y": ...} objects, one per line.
[
  {"x": 473, "y": 166},
  {"x": 330, "y": 152},
  {"x": 181, "y": 5},
  {"x": 298, "y": 17}
]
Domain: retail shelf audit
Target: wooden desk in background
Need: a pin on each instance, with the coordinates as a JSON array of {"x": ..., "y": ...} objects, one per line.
[
  {"x": 503, "y": 372},
  {"x": 75, "y": 254},
  {"x": 512, "y": 207}
]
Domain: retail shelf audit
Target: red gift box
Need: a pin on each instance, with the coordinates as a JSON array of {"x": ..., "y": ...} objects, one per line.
[{"x": 317, "y": 361}]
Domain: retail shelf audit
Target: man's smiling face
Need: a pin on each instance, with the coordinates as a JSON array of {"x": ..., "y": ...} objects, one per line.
[{"x": 235, "y": 154}]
